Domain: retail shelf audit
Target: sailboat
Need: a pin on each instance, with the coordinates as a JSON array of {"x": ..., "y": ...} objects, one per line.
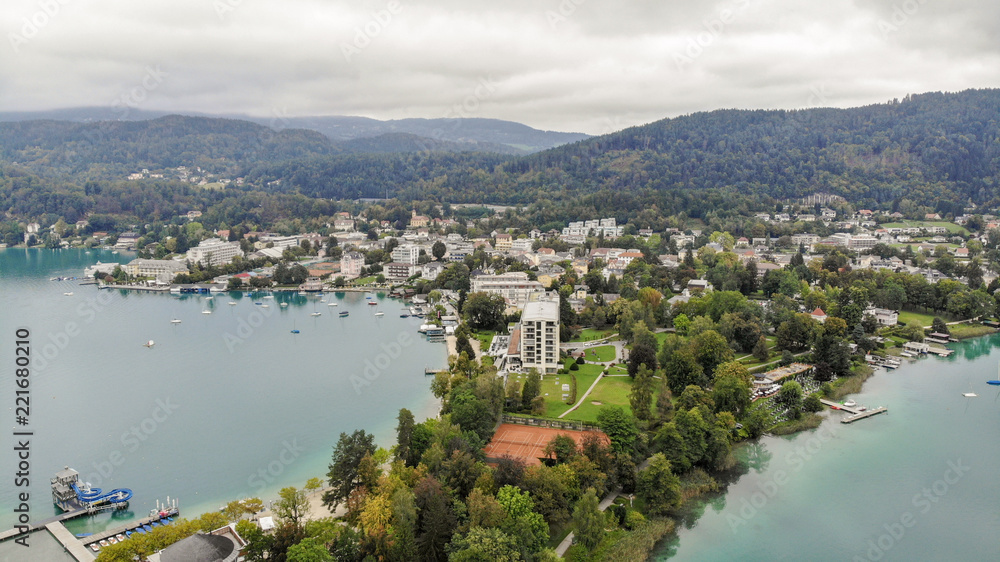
[
  {"x": 150, "y": 343},
  {"x": 175, "y": 321},
  {"x": 995, "y": 382}
]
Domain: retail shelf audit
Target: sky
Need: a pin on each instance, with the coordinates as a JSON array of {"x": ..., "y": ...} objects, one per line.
[{"x": 591, "y": 66}]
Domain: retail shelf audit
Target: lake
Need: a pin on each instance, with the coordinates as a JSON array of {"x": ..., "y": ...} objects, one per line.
[
  {"x": 918, "y": 483},
  {"x": 224, "y": 405}
]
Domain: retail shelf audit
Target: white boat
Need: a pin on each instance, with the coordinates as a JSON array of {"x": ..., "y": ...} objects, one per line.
[
  {"x": 283, "y": 305},
  {"x": 268, "y": 296},
  {"x": 69, "y": 294},
  {"x": 850, "y": 403},
  {"x": 265, "y": 306},
  {"x": 175, "y": 321},
  {"x": 380, "y": 313},
  {"x": 232, "y": 303},
  {"x": 206, "y": 311},
  {"x": 316, "y": 314},
  {"x": 969, "y": 394},
  {"x": 208, "y": 298},
  {"x": 332, "y": 304},
  {"x": 150, "y": 343}
]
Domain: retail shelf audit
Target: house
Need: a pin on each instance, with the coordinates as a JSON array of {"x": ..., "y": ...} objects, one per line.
[
  {"x": 351, "y": 264},
  {"x": 932, "y": 217},
  {"x": 699, "y": 285},
  {"x": 504, "y": 242},
  {"x": 431, "y": 270},
  {"x": 884, "y": 316},
  {"x": 818, "y": 315}
]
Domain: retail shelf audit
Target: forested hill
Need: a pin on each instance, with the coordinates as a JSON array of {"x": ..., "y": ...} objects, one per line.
[
  {"x": 924, "y": 146},
  {"x": 939, "y": 149},
  {"x": 112, "y": 149}
]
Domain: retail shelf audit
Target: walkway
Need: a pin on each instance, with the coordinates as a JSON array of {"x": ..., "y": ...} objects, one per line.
[
  {"x": 69, "y": 542},
  {"x": 585, "y": 394},
  {"x": 568, "y": 541}
]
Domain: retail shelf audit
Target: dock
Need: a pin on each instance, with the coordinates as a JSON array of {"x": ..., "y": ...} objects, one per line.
[
  {"x": 855, "y": 413},
  {"x": 941, "y": 351},
  {"x": 69, "y": 542}
]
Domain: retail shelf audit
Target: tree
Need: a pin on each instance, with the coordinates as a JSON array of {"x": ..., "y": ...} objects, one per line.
[
  {"x": 588, "y": 520},
  {"x": 658, "y": 486},
  {"x": 438, "y": 250},
  {"x": 939, "y": 326},
  {"x": 404, "y": 433},
  {"x": 641, "y": 395},
  {"x": 760, "y": 350},
  {"x": 619, "y": 425},
  {"x": 731, "y": 391},
  {"x": 343, "y": 474},
  {"x": 484, "y": 311},
  {"x": 484, "y": 545},
  {"x": 682, "y": 370},
  {"x": 790, "y": 396},
  {"x": 710, "y": 349},
  {"x": 291, "y": 506},
  {"x": 435, "y": 519},
  {"x": 309, "y": 550},
  {"x": 561, "y": 448},
  {"x": 796, "y": 333},
  {"x": 832, "y": 357},
  {"x": 532, "y": 386}
]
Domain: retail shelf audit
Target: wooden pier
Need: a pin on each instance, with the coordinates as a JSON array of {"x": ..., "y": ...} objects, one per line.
[
  {"x": 72, "y": 545},
  {"x": 855, "y": 412}
]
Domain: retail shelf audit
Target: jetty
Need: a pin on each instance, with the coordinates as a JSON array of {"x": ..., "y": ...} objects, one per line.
[{"x": 856, "y": 413}]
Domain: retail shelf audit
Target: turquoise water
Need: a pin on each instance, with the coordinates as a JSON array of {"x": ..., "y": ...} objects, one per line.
[
  {"x": 223, "y": 406},
  {"x": 918, "y": 483}
]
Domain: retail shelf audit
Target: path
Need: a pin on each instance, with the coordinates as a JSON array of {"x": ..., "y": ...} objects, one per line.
[
  {"x": 568, "y": 541},
  {"x": 585, "y": 394}
]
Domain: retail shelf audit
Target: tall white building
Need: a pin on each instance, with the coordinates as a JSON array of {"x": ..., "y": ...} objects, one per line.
[
  {"x": 406, "y": 253},
  {"x": 539, "y": 341},
  {"x": 214, "y": 251},
  {"x": 351, "y": 264}
]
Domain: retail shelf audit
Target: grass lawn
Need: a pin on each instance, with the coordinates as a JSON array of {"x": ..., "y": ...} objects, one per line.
[
  {"x": 603, "y": 353},
  {"x": 905, "y": 317},
  {"x": 552, "y": 388},
  {"x": 611, "y": 391},
  {"x": 485, "y": 337},
  {"x": 963, "y": 331},
  {"x": 365, "y": 280},
  {"x": 589, "y": 334}
]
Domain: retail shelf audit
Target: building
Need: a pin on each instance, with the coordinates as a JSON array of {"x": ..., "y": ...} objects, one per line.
[
  {"x": 221, "y": 545},
  {"x": 406, "y": 253},
  {"x": 398, "y": 271},
  {"x": 539, "y": 343},
  {"x": 884, "y": 316},
  {"x": 214, "y": 251},
  {"x": 418, "y": 221},
  {"x": 161, "y": 270},
  {"x": 515, "y": 287},
  {"x": 503, "y": 242},
  {"x": 818, "y": 315},
  {"x": 351, "y": 264},
  {"x": 521, "y": 245}
]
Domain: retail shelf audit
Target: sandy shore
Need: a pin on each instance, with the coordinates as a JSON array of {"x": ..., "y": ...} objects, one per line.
[{"x": 452, "y": 343}]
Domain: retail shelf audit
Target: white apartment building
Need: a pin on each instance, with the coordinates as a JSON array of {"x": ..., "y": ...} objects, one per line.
[
  {"x": 406, "y": 253},
  {"x": 539, "y": 331},
  {"x": 515, "y": 287},
  {"x": 161, "y": 270},
  {"x": 214, "y": 251}
]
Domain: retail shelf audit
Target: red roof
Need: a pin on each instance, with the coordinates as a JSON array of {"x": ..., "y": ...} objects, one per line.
[{"x": 818, "y": 312}]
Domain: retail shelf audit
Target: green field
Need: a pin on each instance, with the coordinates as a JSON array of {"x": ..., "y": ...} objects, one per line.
[
  {"x": 905, "y": 317},
  {"x": 485, "y": 337},
  {"x": 950, "y": 226},
  {"x": 552, "y": 388},
  {"x": 602, "y": 354},
  {"x": 611, "y": 391},
  {"x": 589, "y": 334}
]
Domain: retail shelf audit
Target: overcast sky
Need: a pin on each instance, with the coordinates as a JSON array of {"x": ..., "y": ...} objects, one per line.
[{"x": 591, "y": 66}]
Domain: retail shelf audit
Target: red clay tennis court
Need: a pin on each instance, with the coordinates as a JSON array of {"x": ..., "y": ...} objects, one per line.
[{"x": 528, "y": 442}]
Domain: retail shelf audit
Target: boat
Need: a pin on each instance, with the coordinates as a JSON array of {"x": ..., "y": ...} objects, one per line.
[
  {"x": 303, "y": 294},
  {"x": 380, "y": 313},
  {"x": 850, "y": 403},
  {"x": 95, "y": 547},
  {"x": 265, "y": 306},
  {"x": 315, "y": 314},
  {"x": 994, "y": 383},
  {"x": 120, "y": 537},
  {"x": 268, "y": 296},
  {"x": 69, "y": 294},
  {"x": 206, "y": 311},
  {"x": 140, "y": 530},
  {"x": 332, "y": 304},
  {"x": 969, "y": 394},
  {"x": 103, "y": 543},
  {"x": 372, "y": 303},
  {"x": 175, "y": 321},
  {"x": 147, "y": 527},
  {"x": 208, "y": 298},
  {"x": 344, "y": 313},
  {"x": 258, "y": 303},
  {"x": 232, "y": 303},
  {"x": 295, "y": 331},
  {"x": 283, "y": 305},
  {"x": 404, "y": 315},
  {"x": 150, "y": 343},
  {"x": 112, "y": 540}
]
